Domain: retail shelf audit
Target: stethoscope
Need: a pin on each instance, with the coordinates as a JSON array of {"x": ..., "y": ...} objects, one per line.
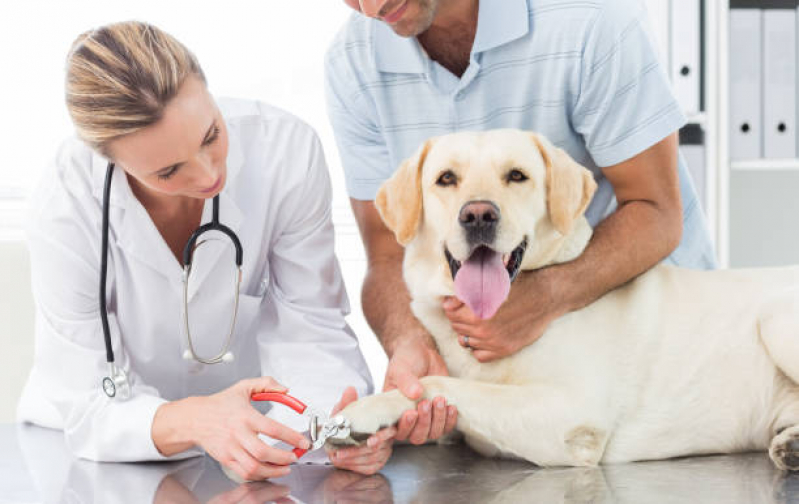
[{"x": 116, "y": 384}]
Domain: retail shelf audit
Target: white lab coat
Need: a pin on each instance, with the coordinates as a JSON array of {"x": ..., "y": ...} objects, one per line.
[{"x": 291, "y": 311}]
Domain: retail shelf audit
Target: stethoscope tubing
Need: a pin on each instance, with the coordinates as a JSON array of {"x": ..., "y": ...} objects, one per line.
[{"x": 117, "y": 378}]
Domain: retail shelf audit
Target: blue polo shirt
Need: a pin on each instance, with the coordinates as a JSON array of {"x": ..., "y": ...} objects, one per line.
[{"x": 584, "y": 73}]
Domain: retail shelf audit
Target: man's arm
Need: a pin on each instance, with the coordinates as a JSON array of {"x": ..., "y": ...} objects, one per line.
[
  {"x": 386, "y": 302},
  {"x": 644, "y": 229},
  {"x": 411, "y": 350}
]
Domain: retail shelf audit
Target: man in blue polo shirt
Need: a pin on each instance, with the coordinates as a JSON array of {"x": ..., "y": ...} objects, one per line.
[{"x": 583, "y": 73}]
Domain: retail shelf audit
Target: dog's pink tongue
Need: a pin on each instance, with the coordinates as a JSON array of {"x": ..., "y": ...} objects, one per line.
[{"x": 483, "y": 283}]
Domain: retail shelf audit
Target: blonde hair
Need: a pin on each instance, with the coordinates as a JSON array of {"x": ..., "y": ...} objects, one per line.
[{"x": 120, "y": 77}]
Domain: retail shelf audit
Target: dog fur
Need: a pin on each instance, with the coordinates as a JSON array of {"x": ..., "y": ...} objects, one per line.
[{"x": 676, "y": 362}]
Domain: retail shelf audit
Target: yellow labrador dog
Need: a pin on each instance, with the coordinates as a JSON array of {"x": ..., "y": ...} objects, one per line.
[{"x": 676, "y": 362}]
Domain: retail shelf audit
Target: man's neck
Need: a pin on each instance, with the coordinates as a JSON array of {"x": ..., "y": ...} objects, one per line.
[
  {"x": 455, "y": 13},
  {"x": 450, "y": 38}
]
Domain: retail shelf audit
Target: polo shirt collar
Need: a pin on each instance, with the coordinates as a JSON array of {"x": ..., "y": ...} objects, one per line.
[{"x": 498, "y": 22}]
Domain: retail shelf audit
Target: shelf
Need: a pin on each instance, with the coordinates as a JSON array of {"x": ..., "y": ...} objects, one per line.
[
  {"x": 698, "y": 118},
  {"x": 765, "y": 164}
]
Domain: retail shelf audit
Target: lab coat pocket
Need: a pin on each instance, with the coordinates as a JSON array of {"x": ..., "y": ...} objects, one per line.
[{"x": 248, "y": 312}]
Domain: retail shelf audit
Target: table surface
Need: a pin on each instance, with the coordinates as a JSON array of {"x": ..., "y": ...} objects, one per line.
[{"x": 35, "y": 466}]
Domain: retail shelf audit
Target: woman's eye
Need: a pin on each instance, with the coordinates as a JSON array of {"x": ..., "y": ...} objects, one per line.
[
  {"x": 516, "y": 176},
  {"x": 447, "y": 179},
  {"x": 168, "y": 174},
  {"x": 214, "y": 135}
]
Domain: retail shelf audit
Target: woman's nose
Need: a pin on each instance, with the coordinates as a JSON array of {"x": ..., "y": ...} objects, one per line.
[
  {"x": 207, "y": 172},
  {"x": 372, "y": 8}
]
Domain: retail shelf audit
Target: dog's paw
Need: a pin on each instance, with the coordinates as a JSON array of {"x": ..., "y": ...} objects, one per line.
[
  {"x": 372, "y": 413},
  {"x": 784, "y": 449}
]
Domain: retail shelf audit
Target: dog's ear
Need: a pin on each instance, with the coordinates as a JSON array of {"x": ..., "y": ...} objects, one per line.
[
  {"x": 570, "y": 186},
  {"x": 399, "y": 199}
]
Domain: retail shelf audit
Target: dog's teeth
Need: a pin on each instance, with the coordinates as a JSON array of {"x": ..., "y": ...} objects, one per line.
[{"x": 505, "y": 259}]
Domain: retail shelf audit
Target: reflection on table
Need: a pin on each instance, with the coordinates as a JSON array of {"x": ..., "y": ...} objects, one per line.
[{"x": 426, "y": 474}]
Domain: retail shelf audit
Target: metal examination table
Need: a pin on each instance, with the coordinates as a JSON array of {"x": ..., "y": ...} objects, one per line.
[{"x": 35, "y": 466}]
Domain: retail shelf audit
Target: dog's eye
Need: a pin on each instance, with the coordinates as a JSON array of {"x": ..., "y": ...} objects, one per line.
[
  {"x": 447, "y": 179},
  {"x": 516, "y": 176}
]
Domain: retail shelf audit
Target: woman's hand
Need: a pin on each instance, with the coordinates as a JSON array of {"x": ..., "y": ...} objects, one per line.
[
  {"x": 366, "y": 459},
  {"x": 227, "y": 426}
]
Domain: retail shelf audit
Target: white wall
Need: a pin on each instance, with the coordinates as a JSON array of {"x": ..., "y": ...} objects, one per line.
[{"x": 261, "y": 49}]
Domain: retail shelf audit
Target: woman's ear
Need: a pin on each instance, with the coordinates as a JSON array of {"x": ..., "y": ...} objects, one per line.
[
  {"x": 570, "y": 186},
  {"x": 399, "y": 199}
]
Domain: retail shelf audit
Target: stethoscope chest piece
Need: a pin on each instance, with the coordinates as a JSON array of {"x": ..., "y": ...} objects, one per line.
[{"x": 116, "y": 384}]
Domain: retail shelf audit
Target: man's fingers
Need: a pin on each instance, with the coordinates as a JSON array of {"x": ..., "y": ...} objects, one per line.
[
  {"x": 439, "y": 418},
  {"x": 421, "y": 432},
  {"x": 406, "y": 424},
  {"x": 452, "y": 419},
  {"x": 485, "y": 355},
  {"x": 407, "y": 383},
  {"x": 451, "y": 303},
  {"x": 276, "y": 430}
]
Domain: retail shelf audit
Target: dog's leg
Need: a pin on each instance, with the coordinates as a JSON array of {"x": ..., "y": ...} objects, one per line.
[
  {"x": 778, "y": 327},
  {"x": 538, "y": 423}
]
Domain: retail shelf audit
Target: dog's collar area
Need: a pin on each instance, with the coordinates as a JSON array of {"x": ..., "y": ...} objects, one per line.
[{"x": 513, "y": 261}]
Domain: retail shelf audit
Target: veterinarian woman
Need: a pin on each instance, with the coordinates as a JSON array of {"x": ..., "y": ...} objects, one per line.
[{"x": 138, "y": 99}]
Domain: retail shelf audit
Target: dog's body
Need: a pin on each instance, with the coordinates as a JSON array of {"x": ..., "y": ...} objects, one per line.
[{"x": 676, "y": 362}]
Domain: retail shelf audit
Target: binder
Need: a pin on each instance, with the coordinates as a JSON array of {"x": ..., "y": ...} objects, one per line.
[
  {"x": 745, "y": 84},
  {"x": 686, "y": 47},
  {"x": 779, "y": 82},
  {"x": 692, "y": 148},
  {"x": 658, "y": 14}
]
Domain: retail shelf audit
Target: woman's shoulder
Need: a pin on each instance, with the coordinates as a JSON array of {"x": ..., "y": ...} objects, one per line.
[
  {"x": 253, "y": 116},
  {"x": 71, "y": 174}
]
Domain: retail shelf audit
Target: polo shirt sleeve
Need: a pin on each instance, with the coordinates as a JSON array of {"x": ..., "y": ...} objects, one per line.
[
  {"x": 353, "y": 116},
  {"x": 625, "y": 102}
]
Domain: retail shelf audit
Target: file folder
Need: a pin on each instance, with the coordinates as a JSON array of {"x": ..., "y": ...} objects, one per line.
[
  {"x": 779, "y": 83},
  {"x": 745, "y": 84},
  {"x": 686, "y": 47},
  {"x": 692, "y": 148}
]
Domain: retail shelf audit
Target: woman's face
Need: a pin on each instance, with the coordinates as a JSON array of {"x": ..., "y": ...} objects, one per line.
[{"x": 183, "y": 154}]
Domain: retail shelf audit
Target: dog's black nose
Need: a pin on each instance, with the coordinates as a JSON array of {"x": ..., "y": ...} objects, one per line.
[{"x": 479, "y": 219}]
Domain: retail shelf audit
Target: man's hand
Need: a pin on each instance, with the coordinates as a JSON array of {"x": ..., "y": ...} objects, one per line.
[
  {"x": 411, "y": 360},
  {"x": 531, "y": 306}
]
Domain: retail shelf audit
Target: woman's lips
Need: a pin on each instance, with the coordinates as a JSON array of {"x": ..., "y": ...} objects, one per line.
[
  {"x": 213, "y": 187},
  {"x": 397, "y": 14}
]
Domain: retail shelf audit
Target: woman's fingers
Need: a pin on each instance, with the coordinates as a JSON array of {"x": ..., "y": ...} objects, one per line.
[
  {"x": 350, "y": 395},
  {"x": 277, "y": 430},
  {"x": 262, "y": 452},
  {"x": 251, "y": 469},
  {"x": 362, "y": 459},
  {"x": 381, "y": 437},
  {"x": 262, "y": 384}
]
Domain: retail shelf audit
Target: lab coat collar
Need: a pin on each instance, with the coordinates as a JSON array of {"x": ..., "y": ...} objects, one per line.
[
  {"x": 498, "y": 22},
  {"x": 135, "y": 232}
]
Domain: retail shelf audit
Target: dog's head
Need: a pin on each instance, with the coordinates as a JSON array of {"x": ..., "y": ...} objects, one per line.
[{"x": 485, "y": 205}]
